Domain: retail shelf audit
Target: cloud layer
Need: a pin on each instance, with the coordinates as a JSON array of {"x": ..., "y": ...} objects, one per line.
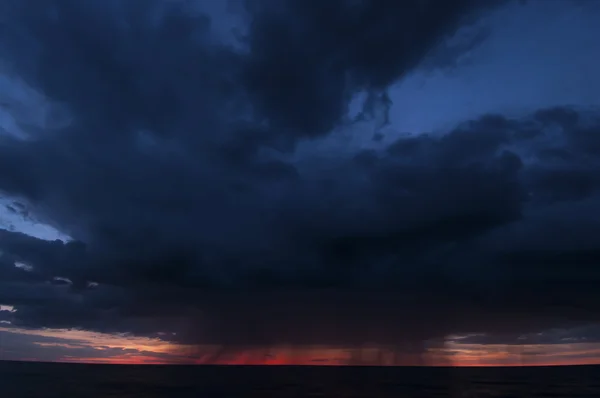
[{"x": 169, "y": 154}]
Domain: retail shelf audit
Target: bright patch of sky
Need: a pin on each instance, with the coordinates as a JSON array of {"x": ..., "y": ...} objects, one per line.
[
  {"x": 538, "y": 54},
  {"x": 15, "y": 221}
]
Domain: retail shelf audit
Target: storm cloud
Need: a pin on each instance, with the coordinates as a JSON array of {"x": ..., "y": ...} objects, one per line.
[{"x": 170, "y": 154}]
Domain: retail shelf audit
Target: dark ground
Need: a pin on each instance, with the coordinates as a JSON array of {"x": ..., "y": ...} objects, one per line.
[{"x": 41, "y": 380}]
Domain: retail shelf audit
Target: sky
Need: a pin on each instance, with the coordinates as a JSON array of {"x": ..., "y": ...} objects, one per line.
[{"x": 300, "y": 182}]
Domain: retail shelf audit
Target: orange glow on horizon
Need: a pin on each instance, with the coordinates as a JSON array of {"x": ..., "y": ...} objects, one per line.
[
  {"x": 150, "y": 360},
  {"x": 249, "y": 358},
  {"x": 77, "y": 346},
  {"x": 244, "y": 361}
]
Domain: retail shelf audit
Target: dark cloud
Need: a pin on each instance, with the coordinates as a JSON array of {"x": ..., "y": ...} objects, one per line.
[
  {"x": 354, "y": 45},
  {"x": 176, "y": 178}
]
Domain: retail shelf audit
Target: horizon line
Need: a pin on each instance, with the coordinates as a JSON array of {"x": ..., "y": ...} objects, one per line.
[{"x": 315, "y": 365}]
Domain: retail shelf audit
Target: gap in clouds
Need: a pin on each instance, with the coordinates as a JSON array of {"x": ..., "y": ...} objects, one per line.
[
  {"x": 16, "y": 217},
  {"x": 533, "y": 55}
]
